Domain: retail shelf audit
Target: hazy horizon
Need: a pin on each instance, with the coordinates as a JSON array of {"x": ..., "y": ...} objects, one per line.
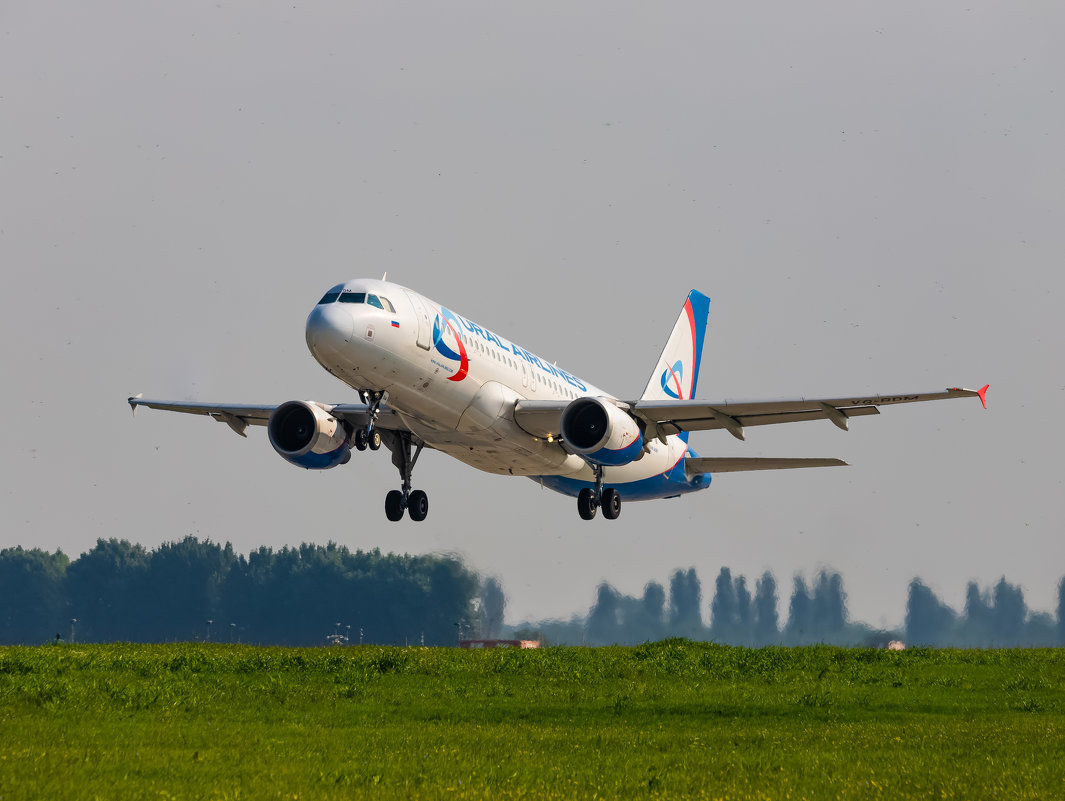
[{"x": 873, "y": 197}]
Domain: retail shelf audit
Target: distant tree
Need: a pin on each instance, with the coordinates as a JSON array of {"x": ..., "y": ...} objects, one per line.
[
  {"x": 1061, "y": 611},
  {"x": 685, "y": 600},
  {"x": 723, "y": 608},
  {"x": 800, "y": 614},
  {"x": 744, "y": 613},
  {"x": 603, "y": 622},
  {"x": 184, "y": 581},
  {"x": 1040, "y": 631},
  {"x": 977, "y": 626},
  {"x": 642, "y": 619},
  {"x": 493, "y": 602},
  {"x": 296, "y": 596},
  {"x": 252, "y": 599},
  {"x": 653, "y": 607},
  {"x": 829, "y": 608},
  {"x": 1010, "y": 613},
  {"x": 32, "y": 608},
  {"x": 766, "y": 627},
  {"x": 107, "y": 591},
  {"x": 449, "y": 589},
  {"x": 928, "y": 620}
]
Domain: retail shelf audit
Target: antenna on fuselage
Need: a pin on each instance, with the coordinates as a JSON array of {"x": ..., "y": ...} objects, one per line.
[{"x": 385, "y": 276}]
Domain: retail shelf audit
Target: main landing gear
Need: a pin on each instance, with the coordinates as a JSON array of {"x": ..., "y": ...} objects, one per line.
[
  {"x": 589, "y": 500},
  {"x": 415, "y": 502}
]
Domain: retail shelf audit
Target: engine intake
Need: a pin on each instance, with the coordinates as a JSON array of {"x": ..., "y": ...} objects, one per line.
[
  {"x": 601, "y": 433},
  {"x": 305, "y": 434}
]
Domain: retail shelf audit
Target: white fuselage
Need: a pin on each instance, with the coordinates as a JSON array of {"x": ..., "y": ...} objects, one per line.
[{"x": 454, "y": 383}]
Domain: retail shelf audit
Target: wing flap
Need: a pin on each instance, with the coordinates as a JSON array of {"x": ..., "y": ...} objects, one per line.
[
  {"x": 709, "y": 421},
  {"x": 698, "y": 465}
]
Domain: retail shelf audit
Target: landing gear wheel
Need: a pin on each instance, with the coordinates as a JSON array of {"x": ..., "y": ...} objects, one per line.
[
  {"x": 418, "y": 506},
  {"x": 360, "y": 440},
  {"x": 374, "y": 440},
  {"x": 611, "y": 504},
  {"x": 586, "y": 505},
  {"x": 394, "y": 505}
]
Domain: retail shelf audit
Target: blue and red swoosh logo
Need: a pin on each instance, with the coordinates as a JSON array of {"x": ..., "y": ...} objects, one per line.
[
  {"x": 447, "y": 321},
  {"x": 671, "y": 380}
]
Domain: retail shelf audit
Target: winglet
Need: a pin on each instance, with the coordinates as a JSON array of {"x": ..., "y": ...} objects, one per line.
[
  {"x": 132, "y": 401},
  {"x": 980, "y": 393}
]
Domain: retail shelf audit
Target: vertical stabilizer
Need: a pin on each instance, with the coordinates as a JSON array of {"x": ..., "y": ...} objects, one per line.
[{"x": 676, "y": 374}]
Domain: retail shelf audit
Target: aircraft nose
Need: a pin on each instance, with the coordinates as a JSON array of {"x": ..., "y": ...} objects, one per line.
[{"x": 329, "y": 327}]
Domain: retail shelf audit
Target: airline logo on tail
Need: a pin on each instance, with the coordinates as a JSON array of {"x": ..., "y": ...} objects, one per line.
[
  {"x": 448, "y": 321},
  {"x": 672, "y": 378}
]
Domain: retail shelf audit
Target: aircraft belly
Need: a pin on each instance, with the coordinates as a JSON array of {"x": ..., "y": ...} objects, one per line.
[
  {"x": 492, "y": 451},
  {"x": 658, "y": 460}
]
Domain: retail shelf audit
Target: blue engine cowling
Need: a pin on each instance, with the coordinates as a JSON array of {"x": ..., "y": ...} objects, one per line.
[
  {"x": 305, "y": 434},
  {"x": 601, "y": 433}
]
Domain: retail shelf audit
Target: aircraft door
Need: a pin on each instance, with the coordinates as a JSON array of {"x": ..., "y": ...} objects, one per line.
[{"x": 425, "y": 326}]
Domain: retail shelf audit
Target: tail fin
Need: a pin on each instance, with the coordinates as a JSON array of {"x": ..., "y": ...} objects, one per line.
[{"x": 676, "y": 375}]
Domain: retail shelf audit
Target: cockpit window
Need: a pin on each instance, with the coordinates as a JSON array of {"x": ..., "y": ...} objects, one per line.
[
  {"x": 358, "y": 297},
  {"x": 381, "y": 303}
]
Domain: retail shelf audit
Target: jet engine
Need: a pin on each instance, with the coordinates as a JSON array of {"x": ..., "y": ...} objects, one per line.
[
  {"x": 305, "y": 434},
  {"x": 601, "y": 433}
]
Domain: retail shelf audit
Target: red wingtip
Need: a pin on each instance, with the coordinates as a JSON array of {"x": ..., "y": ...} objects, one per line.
[{"x": 983, "y": 394}]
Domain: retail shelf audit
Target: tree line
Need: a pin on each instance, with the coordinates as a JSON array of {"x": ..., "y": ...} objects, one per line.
[
  {"x": 817, "y": 613},
  {"x": 200, "y": 590}
]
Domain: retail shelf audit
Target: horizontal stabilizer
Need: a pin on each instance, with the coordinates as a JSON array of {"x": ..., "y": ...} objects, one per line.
[{"x": 694, "y": 466}]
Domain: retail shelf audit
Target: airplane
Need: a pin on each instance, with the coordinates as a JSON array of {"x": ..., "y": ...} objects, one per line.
[{"x": 426, "y": 376}]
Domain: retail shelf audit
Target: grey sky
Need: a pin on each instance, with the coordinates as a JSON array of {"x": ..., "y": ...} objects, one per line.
[{"x": 871, "y": 194}]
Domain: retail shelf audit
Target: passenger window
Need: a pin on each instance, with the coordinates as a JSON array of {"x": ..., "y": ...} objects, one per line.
[
  {"x": 353, "y": 297},
  {"x": 329, "y": 297}
]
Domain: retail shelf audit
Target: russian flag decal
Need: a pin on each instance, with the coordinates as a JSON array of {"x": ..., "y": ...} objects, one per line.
[{"x": 395, "y": 324}]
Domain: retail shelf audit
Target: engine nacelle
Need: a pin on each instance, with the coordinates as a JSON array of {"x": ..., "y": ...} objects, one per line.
[
  {"x": 305, "y": 434},
  {"x": 601, "y": 433}
]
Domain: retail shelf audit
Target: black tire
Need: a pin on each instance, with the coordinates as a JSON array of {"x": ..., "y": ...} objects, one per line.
[
  {"x": 360, "y": 440},
  {"x": 611, "y": 503},
  {"x": 394, "y": 505},
  {"x": 374, "y": 440},
  {"x": 586, "y": 505},
  {"x": 418, "y": 506}
]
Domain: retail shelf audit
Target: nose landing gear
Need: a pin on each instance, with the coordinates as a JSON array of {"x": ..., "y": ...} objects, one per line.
[
  {"x": 370, "y": 437},
  {"x": 589, "y": 500},
  {"x": 364, "y": 440}
]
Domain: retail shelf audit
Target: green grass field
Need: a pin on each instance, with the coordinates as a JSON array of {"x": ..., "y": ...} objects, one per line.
[{"x": 671, "y": 720}]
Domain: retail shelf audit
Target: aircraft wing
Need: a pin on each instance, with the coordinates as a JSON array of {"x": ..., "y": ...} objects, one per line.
[
  {"x": 240, "y": 416},
  {"x": 671, "y": 417},
  {"x": 666, "y": 417}
]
